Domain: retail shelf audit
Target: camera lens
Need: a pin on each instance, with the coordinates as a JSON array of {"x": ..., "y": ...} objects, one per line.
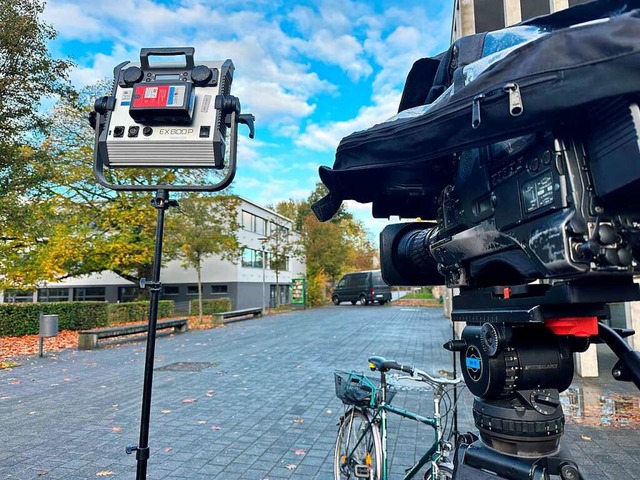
[{"x": 146, "y": 131}]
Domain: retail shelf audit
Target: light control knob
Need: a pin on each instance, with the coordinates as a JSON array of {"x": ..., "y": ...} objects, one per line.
[
  {"x": 132, "y": 75},
  {"x": 201, "y": 74}
]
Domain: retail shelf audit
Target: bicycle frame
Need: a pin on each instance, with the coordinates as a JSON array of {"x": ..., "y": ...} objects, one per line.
[{"x": 433, "y": 454}]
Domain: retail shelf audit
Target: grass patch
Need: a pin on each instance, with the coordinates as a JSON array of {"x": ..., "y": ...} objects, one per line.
[{"x": 424, "y": 294}]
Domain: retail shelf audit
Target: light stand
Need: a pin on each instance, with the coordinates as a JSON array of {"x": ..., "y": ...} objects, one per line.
[
  {"x": 229, "y": 109},
  {"x": 162, "y": 203}
]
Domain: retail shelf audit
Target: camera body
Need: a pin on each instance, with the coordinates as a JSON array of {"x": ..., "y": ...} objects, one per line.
[
  {"x": 561, "y": 204},
  {"x": 167, "y": 114}
]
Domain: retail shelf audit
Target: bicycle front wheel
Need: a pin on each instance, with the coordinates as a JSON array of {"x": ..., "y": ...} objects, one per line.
[
  {"x": 445, "y": 472},
  {"x": 358, "y": 451}
]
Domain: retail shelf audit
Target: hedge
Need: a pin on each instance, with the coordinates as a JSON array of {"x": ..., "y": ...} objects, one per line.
[
  {"x": 24, "y": 318},
  {"x": 134, "y": 311},
  {"x": 211, "y": 306}
]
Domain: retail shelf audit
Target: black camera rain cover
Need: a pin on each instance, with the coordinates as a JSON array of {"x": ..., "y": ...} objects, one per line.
[{"x": 463, "y": 99}]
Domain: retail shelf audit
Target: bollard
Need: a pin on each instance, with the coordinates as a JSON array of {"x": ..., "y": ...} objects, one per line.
[{"x": 48, "y": 328}]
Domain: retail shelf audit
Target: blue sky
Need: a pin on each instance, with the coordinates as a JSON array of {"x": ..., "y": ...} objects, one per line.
[{"x": 311, "y": 72}]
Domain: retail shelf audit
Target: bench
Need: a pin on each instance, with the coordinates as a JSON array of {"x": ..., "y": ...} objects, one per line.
[
  {"x": 235, "y": 315},
  {"x": 88, "y": 339}
]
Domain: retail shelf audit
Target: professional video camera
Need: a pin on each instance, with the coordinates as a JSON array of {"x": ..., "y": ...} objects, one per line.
[{"x": 521, "y": 149}]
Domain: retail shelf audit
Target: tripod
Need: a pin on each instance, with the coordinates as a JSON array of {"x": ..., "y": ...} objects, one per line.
[{"x": 516, "y": 355}]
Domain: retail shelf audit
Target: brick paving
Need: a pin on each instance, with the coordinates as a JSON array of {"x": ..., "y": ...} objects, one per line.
[{"x": 255, "y": 400}]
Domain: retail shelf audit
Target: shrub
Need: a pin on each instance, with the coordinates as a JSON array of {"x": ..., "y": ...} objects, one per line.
[
  {"x": 137, "y": 311},
  {"x": 24, "y": 318},
  {"x": 211, "y": 306}
]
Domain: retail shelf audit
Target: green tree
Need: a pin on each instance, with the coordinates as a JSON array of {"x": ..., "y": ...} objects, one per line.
[
  {"x": 28, "y": 75},
  {"x": 81, "y": 226},
  {"x": 330, "y": 248},
  {"x": 205, "y": 226},
  {"x": 280, "y": 245}
]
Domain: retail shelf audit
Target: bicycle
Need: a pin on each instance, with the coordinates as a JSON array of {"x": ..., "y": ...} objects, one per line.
[{"x": 361, "y": 446}]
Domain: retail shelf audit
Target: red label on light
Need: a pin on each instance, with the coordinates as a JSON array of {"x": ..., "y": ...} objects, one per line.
[{"x": 145, "y": 96}]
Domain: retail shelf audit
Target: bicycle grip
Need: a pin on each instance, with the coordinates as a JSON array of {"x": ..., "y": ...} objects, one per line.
[{"x": 403, "y": 368}]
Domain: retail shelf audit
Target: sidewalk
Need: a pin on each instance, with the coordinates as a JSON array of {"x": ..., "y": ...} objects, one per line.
[{"x": 255, "y": 400}]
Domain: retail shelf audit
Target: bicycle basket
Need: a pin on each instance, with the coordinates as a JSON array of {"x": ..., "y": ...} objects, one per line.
[{"x": 359, "y": 390}]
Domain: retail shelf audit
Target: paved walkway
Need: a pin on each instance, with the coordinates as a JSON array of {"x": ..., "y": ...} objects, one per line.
[{"x": 255, "y": 400}]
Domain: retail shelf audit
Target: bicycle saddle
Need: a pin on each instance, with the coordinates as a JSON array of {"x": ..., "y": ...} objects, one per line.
[{"x": 383, "y": 365}]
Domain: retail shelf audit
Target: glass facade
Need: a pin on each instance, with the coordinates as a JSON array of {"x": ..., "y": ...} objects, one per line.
[
  {"x": 534, "y": 8},
  {"x": 18, "y": 296},
  {"x": 89, "y": 294},
  {"x": 251, "y": 258},
  {"x": 489, "y": 15},
  {"x": 53, "y": 295},
  {"x": 253, "y": 223}
]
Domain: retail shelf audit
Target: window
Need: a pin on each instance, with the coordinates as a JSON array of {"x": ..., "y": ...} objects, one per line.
[
  {"x": 254, "y": 223},
  {"x": 53, "y": 295},
  {"x": 128, "y": 294},
  {"x": 192, "y": 290},
  {"x": 489, "y": 15},
  {"x": 18, "y": 296},
  {"x": 534, "y": 8},
  {"x": 89, "y": 294},
  {"x": 252, "y": 258},
  {"x": 218, "y": 289},
  {"x": 171, "y": 290}
]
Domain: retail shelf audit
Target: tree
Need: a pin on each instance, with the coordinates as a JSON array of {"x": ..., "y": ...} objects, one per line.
[
  {"x": 205, "y": 226},
  {"x": 330, "y": 248},
  {"x": 82, "y": 227},
  {"x": 28, "y": 74},
  {"x": 280, "y": 246}
]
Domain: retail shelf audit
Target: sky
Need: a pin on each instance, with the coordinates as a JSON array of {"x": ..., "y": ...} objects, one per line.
[{"x": 311, "y": 72}]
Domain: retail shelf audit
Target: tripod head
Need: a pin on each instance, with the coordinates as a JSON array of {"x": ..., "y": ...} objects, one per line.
[{"x": 517, "y": 351}]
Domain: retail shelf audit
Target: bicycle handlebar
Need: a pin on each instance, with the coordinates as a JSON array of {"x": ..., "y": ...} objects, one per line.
[
  {"x": 384, "y": 365},
  {"x": 438, "y": 380}
]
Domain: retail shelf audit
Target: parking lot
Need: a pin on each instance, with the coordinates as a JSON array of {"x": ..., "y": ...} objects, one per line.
[{"x": 251, "y": 400}]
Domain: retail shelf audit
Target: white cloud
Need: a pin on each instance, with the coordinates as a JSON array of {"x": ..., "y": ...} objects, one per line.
[{"x": 326, "y": 137}]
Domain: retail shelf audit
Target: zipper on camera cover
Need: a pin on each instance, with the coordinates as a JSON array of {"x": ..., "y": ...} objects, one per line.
[
  {"x": 515, "y": 99},
  {"x": 476, "y": 119}
]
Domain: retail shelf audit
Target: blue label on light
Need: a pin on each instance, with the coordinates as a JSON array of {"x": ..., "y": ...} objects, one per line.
[
  {"x": 171, "y": 93},
  {"x": 473, "y": 363}
]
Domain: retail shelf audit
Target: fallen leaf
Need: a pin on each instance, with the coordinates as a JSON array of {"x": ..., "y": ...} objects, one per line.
[
  {"x": 201, "y": 422},
  {"x": 42, "y": 473},
  {"x": 215, "y": 427},
  {"x": 166, "y": 411},
  {"x": 68, "y": 380},
  {"x": 584, "y": 437},
  {"x": 301, "y": 451},
  {"x": 32, "y": 413},
  {"x": 104, "y": 473},
  {"x": 209, "y": 393},
  {"x": 5, "y": 398},
  {"x": 116, "y": 429},
  {"x": 14, "y": 381},
  {"x": 299, "y": 420},
  {"x": 168, "y": 449},
  {"x": 189, "y": 400},
  {"x": 329, "y": 411},
  {"x": 291, "y": 466}
]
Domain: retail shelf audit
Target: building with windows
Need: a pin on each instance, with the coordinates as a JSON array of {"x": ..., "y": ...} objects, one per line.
[
  {"x": 250, "y": 282},
  {"x": 476, "y": 16}
]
